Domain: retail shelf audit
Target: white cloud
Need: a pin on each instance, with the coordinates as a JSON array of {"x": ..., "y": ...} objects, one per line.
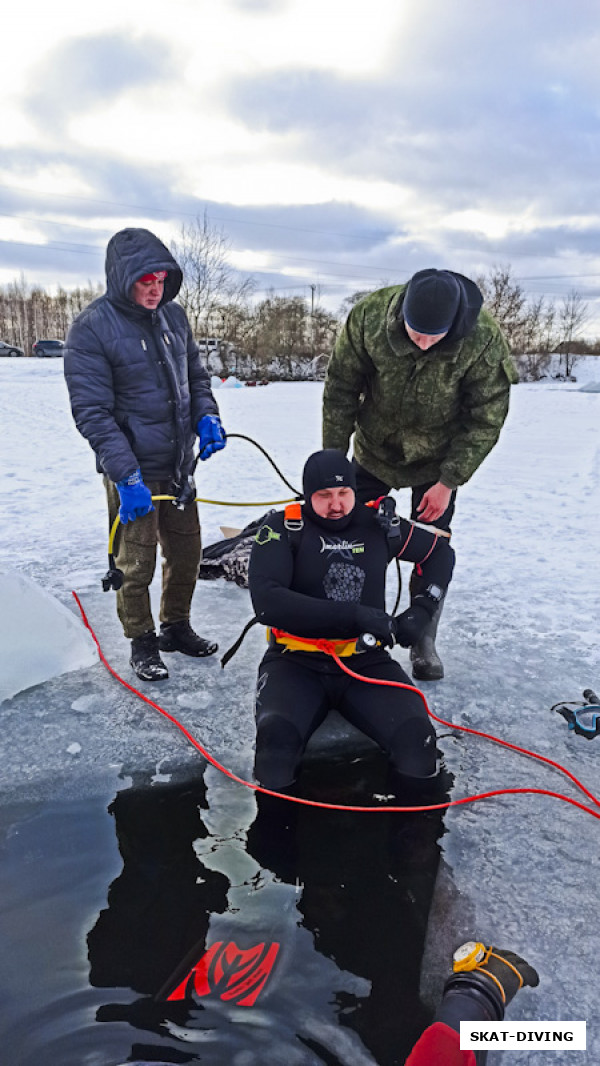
[{"x": 469, "y": 130}]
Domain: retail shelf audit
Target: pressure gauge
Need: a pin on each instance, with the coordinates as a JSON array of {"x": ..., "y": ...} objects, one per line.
[{"x": 468, "y": 956}]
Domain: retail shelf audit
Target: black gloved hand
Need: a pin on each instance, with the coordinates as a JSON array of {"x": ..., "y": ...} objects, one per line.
[
  {"x": 484, "y": 989},
  {"x": 380, "y": 624},
  {"x": 410, "y": 625}
]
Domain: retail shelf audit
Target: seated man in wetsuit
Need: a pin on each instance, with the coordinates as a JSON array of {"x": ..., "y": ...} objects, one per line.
[{"x": 321, "y": 575}]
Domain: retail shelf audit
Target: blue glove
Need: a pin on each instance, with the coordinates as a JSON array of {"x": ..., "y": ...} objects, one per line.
[
  {"x": 136, "y": 498},
  {"x": 212, "y": 435}
]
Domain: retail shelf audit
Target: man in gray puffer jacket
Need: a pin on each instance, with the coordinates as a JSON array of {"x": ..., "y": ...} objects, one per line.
[{"x": 140, "y": 395}]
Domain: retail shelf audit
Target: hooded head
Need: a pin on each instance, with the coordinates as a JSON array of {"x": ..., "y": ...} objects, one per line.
[
  {"x": 132, "y": 254},
  {"x": 329, "y": 487}
]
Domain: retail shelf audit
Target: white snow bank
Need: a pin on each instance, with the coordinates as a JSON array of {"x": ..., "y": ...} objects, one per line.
[
  {"x": 225, "y": 383},
  {"x": 39, "y": 637}
]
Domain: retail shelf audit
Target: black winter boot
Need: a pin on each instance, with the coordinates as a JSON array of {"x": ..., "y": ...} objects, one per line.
[
  {"x": 179, "y": 636},
  {"x": 145, "y": 658},
  {"x": 426, "y": 663}
]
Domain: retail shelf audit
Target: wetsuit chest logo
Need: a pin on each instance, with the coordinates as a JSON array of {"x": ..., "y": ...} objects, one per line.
[{"x": 345, "y": 548}]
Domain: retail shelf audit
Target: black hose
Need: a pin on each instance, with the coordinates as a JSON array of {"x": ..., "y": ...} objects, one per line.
[{"x": 241, "y": 436}]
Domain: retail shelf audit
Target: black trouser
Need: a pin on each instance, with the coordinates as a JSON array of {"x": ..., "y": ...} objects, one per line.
[
  {"x": 369, "y": 487},
  {"x": 293, "y": 698}
]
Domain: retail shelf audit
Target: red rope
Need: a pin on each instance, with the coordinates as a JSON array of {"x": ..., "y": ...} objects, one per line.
[
  {"x": 341, "y": 807},
  {"x": 474, "y": 732}
]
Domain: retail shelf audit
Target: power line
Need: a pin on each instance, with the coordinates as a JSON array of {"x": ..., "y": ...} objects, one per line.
[
  {"x": 91, "y": 247},
  {"x": 58, "y": 246},
  {"x": 246, "y": 222},
  {"x": 354, "y": 272},
  {"x": 170, "y": 212}
]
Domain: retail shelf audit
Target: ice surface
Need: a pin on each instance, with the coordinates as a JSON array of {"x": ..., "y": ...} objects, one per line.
[
  {"x": 39, "y": 637},
  {"x": 519, "y": 633}
]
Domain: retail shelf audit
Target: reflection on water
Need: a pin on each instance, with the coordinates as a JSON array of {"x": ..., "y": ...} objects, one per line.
[{"x": 246, "y": 931}]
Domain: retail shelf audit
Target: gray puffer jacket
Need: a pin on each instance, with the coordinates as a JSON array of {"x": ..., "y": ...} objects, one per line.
[{"x": 136, "y": 383}]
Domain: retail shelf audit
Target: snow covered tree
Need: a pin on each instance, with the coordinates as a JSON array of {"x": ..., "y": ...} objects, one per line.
[{"x": 572, "y": 314}]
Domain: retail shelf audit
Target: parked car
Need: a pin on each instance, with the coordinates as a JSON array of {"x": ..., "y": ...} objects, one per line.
[
  {"x": 10, "y": 349},
  {"x": 48, "y": 348}
]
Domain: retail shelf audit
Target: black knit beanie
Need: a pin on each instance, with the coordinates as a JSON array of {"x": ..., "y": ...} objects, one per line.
[
  {"x": 431, "y": 301},
  {"x": 327, "y": 469}
]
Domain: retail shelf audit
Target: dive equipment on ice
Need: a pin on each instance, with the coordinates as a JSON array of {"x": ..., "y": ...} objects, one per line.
[{"x": 583, "y": 719}]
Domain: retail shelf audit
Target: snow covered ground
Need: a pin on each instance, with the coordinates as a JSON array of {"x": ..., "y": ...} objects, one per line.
[{"x": 520, "y": 633}]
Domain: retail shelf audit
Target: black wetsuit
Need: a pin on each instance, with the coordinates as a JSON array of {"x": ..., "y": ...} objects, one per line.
[{"x": 322, "y": 583}]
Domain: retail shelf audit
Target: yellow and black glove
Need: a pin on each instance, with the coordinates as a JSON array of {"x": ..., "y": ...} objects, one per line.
[{"x": 483, "y": 982}]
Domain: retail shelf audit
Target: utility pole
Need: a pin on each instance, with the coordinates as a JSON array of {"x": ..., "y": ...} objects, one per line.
[{"x": 312, "y": 320}]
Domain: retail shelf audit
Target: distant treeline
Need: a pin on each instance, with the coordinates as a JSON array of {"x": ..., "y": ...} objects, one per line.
[
  {"x": 29, "y": 313},
  {"x": 290, "y": 337}
]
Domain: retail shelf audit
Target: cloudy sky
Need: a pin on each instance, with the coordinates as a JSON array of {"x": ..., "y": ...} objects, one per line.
[{"x": 336, "y": 143}]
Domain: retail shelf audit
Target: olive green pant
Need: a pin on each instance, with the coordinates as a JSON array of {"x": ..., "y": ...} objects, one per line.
[{"x": 178, "y": 533}]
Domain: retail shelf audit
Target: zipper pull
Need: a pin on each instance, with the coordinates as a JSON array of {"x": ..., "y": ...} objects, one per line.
[
  {"x": 166, "y": 339},
  {"x": 144, "y": 345}
]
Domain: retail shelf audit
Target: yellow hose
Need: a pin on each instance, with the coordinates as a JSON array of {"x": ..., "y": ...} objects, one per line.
[{"x": 200, "y": 499}]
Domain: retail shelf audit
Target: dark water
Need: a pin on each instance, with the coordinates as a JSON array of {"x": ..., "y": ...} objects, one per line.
[{"x": 311, "y": 925}]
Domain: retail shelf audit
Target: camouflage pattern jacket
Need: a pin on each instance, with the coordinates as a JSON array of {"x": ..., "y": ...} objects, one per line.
[{"x": 417, "y": 416}]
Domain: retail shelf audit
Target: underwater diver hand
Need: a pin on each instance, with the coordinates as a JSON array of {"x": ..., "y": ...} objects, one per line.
[
  {"x": 511, "y": 971},
  {"x": 410, "y": 625},
  {"x": 483, "y": 983},
  {"x": 135, "y": 496},
  {"x": 488, "y": 977},
  {"x": 212, "y": 436}
]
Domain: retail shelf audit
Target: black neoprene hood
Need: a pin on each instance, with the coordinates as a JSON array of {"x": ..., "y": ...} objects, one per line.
[{"x": 327, "y": 469}]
